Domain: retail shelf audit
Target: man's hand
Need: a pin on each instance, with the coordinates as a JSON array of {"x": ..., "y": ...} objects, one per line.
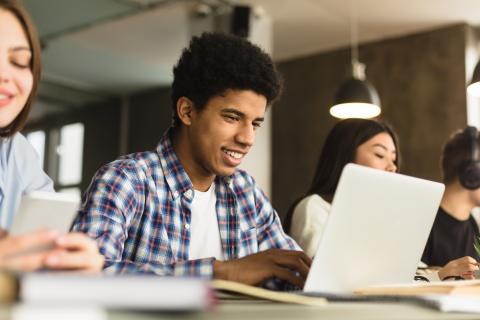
[
  {"x": 288, "y": 265},
  {"x": 14, "y": 250},
  {"x": 463, "y": 267},
  {"x": 77, "y": 252}
]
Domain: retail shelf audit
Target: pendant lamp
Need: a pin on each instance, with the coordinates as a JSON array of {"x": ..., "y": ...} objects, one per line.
[{"x": 356, "y": 97}]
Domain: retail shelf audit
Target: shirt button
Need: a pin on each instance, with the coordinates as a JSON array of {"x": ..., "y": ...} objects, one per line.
[
  {"x": 187, "y": 226},
  {"x": 188, "y": 193}
]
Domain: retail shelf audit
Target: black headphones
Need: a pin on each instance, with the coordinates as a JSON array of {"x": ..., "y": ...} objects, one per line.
[{"x": 469, "y": 170}]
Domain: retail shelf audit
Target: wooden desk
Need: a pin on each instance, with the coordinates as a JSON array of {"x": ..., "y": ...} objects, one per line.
[{"x": 253, "y": 310}]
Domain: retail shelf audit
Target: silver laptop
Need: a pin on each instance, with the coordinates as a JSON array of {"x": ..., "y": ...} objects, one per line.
[{"x": 376, "y": 231}]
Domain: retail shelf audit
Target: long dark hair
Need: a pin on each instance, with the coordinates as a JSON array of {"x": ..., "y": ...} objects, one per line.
[{"x": 339, "y": 149}]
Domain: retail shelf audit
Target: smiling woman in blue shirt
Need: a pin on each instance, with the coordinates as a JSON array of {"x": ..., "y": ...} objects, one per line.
[
  {"x": 20, "y": 172},
  {"x": 185, "y": 208}
]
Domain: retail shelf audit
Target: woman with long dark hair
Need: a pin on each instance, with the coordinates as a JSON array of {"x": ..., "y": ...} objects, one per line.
[
  {"x": 365, "y": 142},
  {"x": 20, "y": 171}
]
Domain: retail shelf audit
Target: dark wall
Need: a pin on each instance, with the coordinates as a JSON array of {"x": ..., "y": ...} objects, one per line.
[
  {"x": 101, "y": 145},
  {"x": 149, "y": 116},
  {"x": 421, "y": 82}
]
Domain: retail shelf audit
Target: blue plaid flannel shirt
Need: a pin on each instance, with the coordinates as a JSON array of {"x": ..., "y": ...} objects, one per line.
[{"x": 138, "y": 210}]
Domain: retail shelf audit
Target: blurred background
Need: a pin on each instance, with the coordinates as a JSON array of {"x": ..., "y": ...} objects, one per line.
[{"x": 108, "y": 68}]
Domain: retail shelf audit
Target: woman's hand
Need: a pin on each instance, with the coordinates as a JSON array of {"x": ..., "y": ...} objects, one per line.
[
  {"x": 20, "y": 253},
  {"x": 463, "y": 267},
  {"x": 46, "y": 249},
  {"x": 75, "y": 251}
]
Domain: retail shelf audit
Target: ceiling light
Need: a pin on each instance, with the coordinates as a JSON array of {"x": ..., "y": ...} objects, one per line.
[{"x": 356, "y": 97}]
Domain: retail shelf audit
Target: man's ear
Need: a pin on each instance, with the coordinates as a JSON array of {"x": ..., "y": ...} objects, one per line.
[{"x": 184, "y": 110}]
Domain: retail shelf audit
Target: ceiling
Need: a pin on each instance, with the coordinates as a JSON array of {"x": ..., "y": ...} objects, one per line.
[{"x": 116, "y": 47}]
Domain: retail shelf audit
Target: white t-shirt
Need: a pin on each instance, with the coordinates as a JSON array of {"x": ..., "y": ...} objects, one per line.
[
  {"x": 308, "y": 222},
  {"x": 204, "y": 233}
]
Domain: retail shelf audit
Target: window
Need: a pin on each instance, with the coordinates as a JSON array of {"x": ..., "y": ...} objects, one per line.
[
  {"x": 60, "y": 150},
  {"x": 70, "y": 154}
]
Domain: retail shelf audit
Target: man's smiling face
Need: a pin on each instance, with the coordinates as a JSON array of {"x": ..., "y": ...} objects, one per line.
[{"x": 222, "y": 133}]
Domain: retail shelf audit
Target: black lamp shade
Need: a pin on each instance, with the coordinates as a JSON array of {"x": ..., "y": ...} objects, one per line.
[
  {"x": 356, "y": 98},
  {"x": 356, "y": 90}
]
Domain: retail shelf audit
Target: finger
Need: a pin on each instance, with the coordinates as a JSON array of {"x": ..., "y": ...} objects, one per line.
[
  {"x": 300, "y": 254},
  {"x": 76, "y": 241},
  {"x": 16, "y": 244},
  {"x": 469, "y": 259},
  {"x": 468, "y": 276},
  {"x": 78, "y": 260},
  {"x": 26, "y": 263},
  {"x": 469, "y": 267},
  {"x": 287, "y": 275},
  {"x": 306, "y": 259},
  {"x": 467, "y": 273},
  {"x": 298, "y": 265},
  {"x": 292, "y": 262}
]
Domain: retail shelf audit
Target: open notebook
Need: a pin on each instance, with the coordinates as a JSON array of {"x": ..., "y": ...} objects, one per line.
[
  {"x": 462, "y": 287},
  {"x": 448, "y": 296}
]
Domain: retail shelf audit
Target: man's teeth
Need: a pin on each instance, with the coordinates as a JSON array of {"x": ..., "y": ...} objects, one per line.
[
  {"x": 3, "y": 96},
  {"x": 233, "y": 154}
]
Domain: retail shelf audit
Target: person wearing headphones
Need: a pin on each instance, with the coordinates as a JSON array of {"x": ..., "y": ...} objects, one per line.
[{"x": 450, "y": 245}]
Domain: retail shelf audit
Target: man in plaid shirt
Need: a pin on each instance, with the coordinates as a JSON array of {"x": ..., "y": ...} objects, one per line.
[{"x": 185, "y": 209}]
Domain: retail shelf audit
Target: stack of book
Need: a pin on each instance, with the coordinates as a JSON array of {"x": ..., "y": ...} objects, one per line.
[{"x": 131, "y": 292}]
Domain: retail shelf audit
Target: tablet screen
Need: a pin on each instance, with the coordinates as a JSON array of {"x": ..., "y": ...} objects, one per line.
[{"x": 41, "y": 209}]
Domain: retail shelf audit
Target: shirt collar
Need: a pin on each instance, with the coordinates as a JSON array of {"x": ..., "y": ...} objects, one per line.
[
  {"x": 177, "y": 178},
  {"x": 175, "y": 175}
]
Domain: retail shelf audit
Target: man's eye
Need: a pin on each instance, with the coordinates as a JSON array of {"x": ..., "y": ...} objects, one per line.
[
  {"x": 257, "y": 125},
  {"x": 380, "y": 156}
]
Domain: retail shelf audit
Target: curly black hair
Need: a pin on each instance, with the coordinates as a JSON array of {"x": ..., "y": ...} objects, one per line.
[{"x": 216, "y": 62}]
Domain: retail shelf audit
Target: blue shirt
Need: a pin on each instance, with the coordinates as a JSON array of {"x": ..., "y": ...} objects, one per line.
[
  {"x": 138, "y": 210},
  {"x": 20, "y": 173}
]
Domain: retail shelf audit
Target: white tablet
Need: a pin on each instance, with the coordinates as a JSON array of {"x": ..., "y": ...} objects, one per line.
[{"x": 41, "y": 209}]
